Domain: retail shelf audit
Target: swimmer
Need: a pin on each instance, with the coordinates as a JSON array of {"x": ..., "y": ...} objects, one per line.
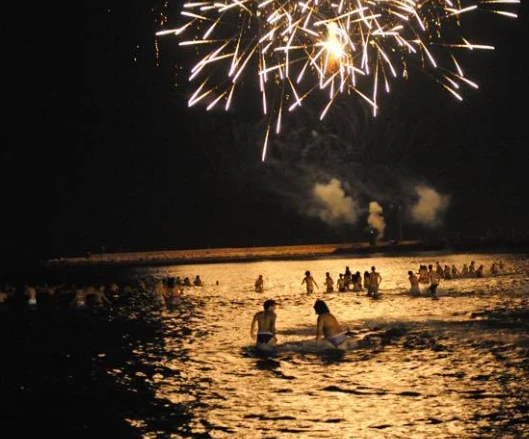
[
  {"x": 259, "y": 284},
  {"x": 348, "y": 276},
  {"x": 160, "y": 292},
  {"x": 79, "y": 299},
  {"x": 266, "y": 325},
  {"x": 113, "y": 289},
  {"x": 31, "y": 292},
  {"x": 435, "y": 278},
  {"x": 173, "y": 291},
  {"x": 329, "y": 283},
  {"x": 366, "y": 280},
  {"x": 357, "y": 282},
  {"x": 328, "y": 326},
  {"x": 341, "y": 283},
  {"x": 100, "y": 297},
  {"x": 310, "y": 282},
  {"x": 494, "y": 269},
  {"x": 374, "y": 282},
  {"x": 414, "y": 284},
  {"x": 423, "y": 274}
]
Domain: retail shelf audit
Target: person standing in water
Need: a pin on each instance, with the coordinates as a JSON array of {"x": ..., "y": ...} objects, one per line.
[
  {"x": 357, "y": 282},
  {"x": 309, "y": 281},
  {"x": 366, "y": 281},
  {"x": 329, "y": 283},
  {"x": 327, "y": 326},
  {"x": 31, "y": 292},
  {"x": 266, "y": 324},
  {"x": 374, "y": 282},
  {"x": 348, "y": 276},
  {"x": 414, "y": 284},
  {"x": 435, "y": 278},
  {"x": 79, "y": 298},
  {"x": 423, "y": 274},
  {"x": 160, "y": 291},
  {"x": 340, "y": 283},
  {"x": 259, "y": 284},
  {"x": 99, "y": 296}
]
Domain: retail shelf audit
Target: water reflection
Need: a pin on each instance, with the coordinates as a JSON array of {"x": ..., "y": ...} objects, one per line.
[
  {"x": 452, "y": 368},
  {"x": 456, "y": 367}
]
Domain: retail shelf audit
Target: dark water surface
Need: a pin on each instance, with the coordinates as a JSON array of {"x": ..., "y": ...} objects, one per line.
[{"x": 452, "y": 368}]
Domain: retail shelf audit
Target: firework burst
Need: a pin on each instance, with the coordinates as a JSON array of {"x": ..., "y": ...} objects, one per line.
[{"x": 299, "y": 49}]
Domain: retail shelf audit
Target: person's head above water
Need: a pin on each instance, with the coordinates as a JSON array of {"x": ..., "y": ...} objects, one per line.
[
  {"x": 320, "y": 307},
  {"x": 268, "y": 304}
]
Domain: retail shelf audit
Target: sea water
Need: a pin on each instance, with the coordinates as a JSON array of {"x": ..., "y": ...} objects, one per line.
[{"x": 456, "y": 367}]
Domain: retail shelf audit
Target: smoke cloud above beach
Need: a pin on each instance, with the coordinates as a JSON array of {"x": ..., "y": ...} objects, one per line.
[
  {"x": 430, "y": 207},
  {"x": 348, "y": 196},
  {"x": 376, "y": 218},
  {"x": 334, "y": 206}
]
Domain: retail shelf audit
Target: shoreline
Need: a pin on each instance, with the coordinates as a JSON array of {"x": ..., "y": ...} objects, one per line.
[{"x": 249, "y": 254}]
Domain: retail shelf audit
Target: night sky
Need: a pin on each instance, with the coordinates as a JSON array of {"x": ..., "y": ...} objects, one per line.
[{"x": 100, "y": 151}]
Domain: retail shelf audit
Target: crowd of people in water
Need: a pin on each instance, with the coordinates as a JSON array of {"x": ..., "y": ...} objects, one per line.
[
  {"x": 327, "y": 326},
  {"x": 430, "y": 275},
  {"x": 167, "y": 291}
]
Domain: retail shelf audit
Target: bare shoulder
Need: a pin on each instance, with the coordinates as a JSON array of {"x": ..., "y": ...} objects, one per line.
[{"x": 327, "y": 318}]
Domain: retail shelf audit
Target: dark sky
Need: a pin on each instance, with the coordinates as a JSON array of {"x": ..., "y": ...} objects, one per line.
[{"x": 100, "y": 149}]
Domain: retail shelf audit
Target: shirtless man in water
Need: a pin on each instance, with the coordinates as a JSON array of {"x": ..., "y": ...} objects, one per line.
[
  {"x": 266, "y": 324},
  {"x": 328, "y": 326},
  {"x": 259, "y": 284},
  {"x": 374, "y": 282},
  {"x": 309, "y": 282}
]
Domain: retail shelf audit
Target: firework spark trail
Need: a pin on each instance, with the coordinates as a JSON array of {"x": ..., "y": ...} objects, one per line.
[{"x": 300, "y": 48}]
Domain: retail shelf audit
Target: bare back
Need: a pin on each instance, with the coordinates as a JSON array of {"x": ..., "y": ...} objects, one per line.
[
  {"x": 327, "y": 325},
  {"x": 265, "y": 321}
]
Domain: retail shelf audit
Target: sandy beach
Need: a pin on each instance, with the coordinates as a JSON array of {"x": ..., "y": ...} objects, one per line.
[{"x": 233, "y": 254}]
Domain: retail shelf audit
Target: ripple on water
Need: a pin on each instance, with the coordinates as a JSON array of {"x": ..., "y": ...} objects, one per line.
[{"x": 452, "y": 368}]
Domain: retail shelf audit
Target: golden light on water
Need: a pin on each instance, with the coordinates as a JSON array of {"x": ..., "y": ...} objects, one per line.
[
  {"x": 422, "y": 369},
  {"x": 301, "y": 49}
]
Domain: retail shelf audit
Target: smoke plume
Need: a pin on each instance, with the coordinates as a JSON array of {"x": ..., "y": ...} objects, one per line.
[
  {"x": 376, "y": 219},
  {"x": 334, "y": 207},
  {"x": 430, "y": 206}
]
